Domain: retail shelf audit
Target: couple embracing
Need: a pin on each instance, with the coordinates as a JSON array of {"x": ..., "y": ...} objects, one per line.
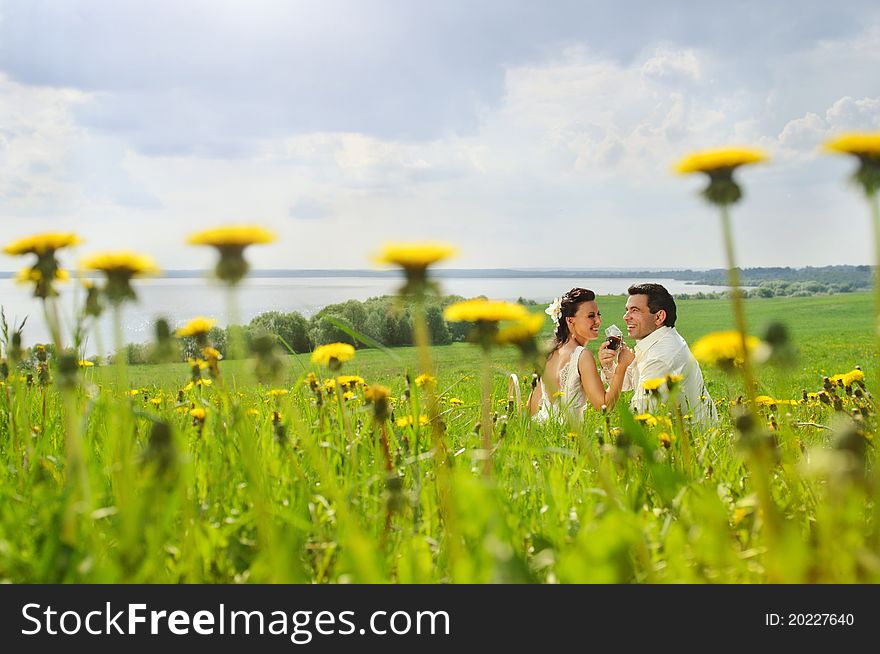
[{"x": 572, "y": 380}]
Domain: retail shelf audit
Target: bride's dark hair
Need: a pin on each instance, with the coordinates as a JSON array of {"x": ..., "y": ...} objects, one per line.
[{"x": 570, "y": 303}]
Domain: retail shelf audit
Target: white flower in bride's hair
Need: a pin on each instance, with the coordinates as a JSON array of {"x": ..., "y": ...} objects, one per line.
[{"x": 554, "y": 309}]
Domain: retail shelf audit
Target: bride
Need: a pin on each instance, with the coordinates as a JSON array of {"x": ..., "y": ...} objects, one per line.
[{"x": 570, "y": 372}]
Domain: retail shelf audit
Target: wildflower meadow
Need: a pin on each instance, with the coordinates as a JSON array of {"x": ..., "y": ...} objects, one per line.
[{"x": 360, "y": 463}]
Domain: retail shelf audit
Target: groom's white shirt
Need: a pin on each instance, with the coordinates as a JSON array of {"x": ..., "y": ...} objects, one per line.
[{"x": 664, "y": 352}]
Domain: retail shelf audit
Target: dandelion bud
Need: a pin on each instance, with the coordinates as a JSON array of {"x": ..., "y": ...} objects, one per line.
[
  {"x": 93, "y": 305},
  {"x": 68, "y": 365}
]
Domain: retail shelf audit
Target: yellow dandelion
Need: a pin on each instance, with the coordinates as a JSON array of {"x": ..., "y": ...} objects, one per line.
[
  {"x": 408, "y": 421},
  {"x": 234, "y": 236},
  {"x": 860, "y": 144},
  {"x": 481, "y": 310},
  {"x": 198, "y": 326},
  {"x": 84, "y": 363},
  {"x": 848, "y": 378},
  {"x": 765, "y": 400},
  {"x": 654, "y": 384},
  {"x": 120, "y": 267},
  {"x": 350, "y": 381},
  {"x": 348, "y": 395},
  {"x": 646, "y": 419},
  {"x": 329, "y": 385},
  {"x": 41, "y": 244},
  {"x": 725, "y": 348},
  {"x": 376, "y": 392},
  {"x": 523, "y": 330},
  {"x": 253, "y": 412},
  {"x": 719, "y": 159},
  {"x": 156, "y": 401},
  {"x": 211, "y": 354},
  {"x": 414, "y": 255},
  {"x": 739, "y": 514},
  {"x": 198, "y": 413},
  {"x": 278, "y": 392},
  {"x": 866, "y": 147},
  {"x": 198, "y": 382},
  {"x": 230, "y": 243},
  {"x": 35, "y": 276},
  {"x": 424, "y": 379},
  {"x": 665, "y": 439},
  {"x": 333, "y": 354},
  {"x": 454, "y": 401},
  {"x": 122, "y": 262}
]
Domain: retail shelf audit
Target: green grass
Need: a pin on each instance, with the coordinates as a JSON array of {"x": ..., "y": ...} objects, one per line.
[{"x": 286, "y": 489}]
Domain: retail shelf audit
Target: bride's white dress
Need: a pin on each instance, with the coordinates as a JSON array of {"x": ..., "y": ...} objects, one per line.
[{"x": 572, "y": 401}]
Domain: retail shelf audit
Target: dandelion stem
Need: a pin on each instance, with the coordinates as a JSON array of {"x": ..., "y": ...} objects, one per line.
[
  {"x": 486, "y": 414},
  {"x": 738, "y": 310},
  {"x": 874, "y": 203},
  {"x": 423, "y": 343}
]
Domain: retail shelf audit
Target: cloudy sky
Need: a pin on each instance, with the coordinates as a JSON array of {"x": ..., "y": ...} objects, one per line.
[{"x": 531, "y": 134}]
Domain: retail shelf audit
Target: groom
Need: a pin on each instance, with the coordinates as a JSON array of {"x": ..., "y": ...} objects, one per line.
[{"x": 660, "y": 351}]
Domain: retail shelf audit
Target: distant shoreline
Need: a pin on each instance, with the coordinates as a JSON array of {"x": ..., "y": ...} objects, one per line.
[
  {"x": 447, "y": 273},
  {"x": 678, "y": 274}
]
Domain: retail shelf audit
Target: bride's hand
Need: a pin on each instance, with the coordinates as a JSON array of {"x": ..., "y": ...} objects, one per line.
[{"x": 626, "y": 356}]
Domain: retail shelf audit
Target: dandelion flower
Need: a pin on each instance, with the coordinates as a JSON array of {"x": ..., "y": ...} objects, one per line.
[
  {"x": 415, "y": 255},
  {"x": 524, "y": 330},
  {"x": 866, "y": 144},
  {"x": 719, "y": 165},
  {"x": 646, "y": 419},
  {"x": 724, "y": 349},
  {"x": 347, "y": 381},
  {"x": 86, "y": 364},
  {"x": 197, "y": 327},
  {"x": 654, "y": 384},
  {"x": 481, "y": 310},
  {"x": 122, "y": 262},
  {"x": 333, "y": 355},
  {"x": 848, "y": 378},
  {"x": 866, "y": 148},
  {"x": 232, "y": 236},
  {"x": 41, "y": 244},
  {"x": 414, "y": 259},
  {"x": 198, "y": 413},
  {"x": 230, "y": 242},
  {"x": 278, "y": 392},
  {"x": 454, "y": 401},
  {"x": 408, "y": 421},
  {"x": 719, "y": 159},
  {"x": 46, "y": 269},
  {"x": 35, "y": 276},
  {"x": 424, "y": 379},
  {"x": 120, "y": 267}
]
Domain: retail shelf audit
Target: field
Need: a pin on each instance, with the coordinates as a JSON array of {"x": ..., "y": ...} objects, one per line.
[{"x": 241, "y": 482}]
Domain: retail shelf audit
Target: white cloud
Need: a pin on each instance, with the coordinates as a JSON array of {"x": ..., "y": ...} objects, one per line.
[
  {"x": 578, "y": 142},
  {"x": 671, "y": 63}
]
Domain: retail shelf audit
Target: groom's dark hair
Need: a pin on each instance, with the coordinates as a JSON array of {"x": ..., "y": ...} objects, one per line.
[{"x": 658, "y": 298}]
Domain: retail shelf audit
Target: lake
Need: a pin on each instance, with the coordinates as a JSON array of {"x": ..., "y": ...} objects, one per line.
[{"x": 179, "y": 299}]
